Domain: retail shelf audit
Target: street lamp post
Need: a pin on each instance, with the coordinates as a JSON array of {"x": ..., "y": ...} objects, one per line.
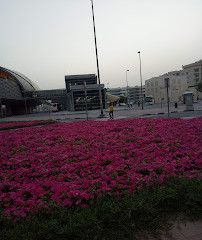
[
  {"x": 98, "y": 72},
  {"x": 141, "y": 79},
  {"x": 127, "y": 84}
]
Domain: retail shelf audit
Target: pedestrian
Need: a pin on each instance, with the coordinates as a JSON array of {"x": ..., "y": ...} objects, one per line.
[
  {"x": 175, "y": 104},
  {"x": 111, "y": 111}
]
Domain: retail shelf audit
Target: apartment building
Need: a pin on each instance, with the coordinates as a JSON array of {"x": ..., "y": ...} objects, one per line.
[
  {"x": 177, "y": 86},
  {"x": 193, "y": 72},
  {"x": 183, "y": 80}
]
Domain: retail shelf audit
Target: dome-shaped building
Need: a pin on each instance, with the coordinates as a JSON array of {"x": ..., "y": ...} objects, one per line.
[{"x": 13, "y": 88}]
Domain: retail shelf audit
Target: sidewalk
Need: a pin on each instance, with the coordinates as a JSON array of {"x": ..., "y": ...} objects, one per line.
[
  {"x": 183, "y": 231},
  {"x": 120, "y": 112}
]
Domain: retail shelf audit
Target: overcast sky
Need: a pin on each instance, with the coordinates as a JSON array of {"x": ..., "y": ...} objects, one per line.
[{"x": 48, "y": 39}]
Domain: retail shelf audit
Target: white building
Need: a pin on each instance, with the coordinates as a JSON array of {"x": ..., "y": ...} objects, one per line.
[
  {"x": 193, "y": 72},
  {"x": 186, "y": 79},
  {"x": 178, "y": 84}
]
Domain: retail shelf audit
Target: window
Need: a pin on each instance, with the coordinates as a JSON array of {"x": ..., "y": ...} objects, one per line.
[
  {"x": 196, "y": 70},
  {"x": 196, "y": 75},
  {"x": 156, "y": 83}
]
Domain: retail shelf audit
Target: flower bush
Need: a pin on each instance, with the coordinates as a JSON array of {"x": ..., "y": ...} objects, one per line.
[{"x": 68, "y": 164}]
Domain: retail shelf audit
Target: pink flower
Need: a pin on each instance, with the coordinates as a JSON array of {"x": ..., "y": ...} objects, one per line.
[{"x": 69, "y": 164}]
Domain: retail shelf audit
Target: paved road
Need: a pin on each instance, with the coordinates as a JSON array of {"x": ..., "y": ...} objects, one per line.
[{"x": 120, "y": 112}]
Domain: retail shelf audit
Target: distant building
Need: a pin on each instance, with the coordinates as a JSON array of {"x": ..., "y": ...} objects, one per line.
[
  {"x": 193, "y": 72},
  {"x": 134, "y": 93},
  {"x": 76, "y": 93},
  {"x": 50, "y": 96},
  {"x": 117, "y": 91},
  {"x": 156, "y": 87},
  {"x": 183, "y": 80},
  {"x": 20, "y": 95},
  {"x": 13, "y": 88}
]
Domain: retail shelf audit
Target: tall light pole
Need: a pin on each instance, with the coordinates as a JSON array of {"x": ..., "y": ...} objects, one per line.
[
  {"x": 127, "y": 84},
  {"x": 141, "y": 78},
  {"x": 98, "y": 72}
]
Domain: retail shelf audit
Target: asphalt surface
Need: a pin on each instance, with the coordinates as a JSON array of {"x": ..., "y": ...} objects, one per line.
[{"x": 120, "y": 112}]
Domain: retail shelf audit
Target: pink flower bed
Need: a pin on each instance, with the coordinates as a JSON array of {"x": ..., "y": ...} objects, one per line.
[
  {"x": 16, "y": 124},
  {"x": 71, "y": 163}
]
